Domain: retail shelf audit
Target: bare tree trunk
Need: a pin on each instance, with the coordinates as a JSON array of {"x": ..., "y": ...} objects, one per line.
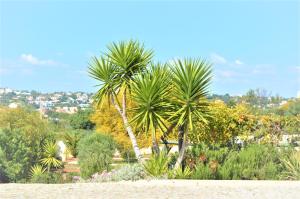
[
  {"x": 164, "y": 136},
  {"x": 181, "y": 146},
  {"x": 128, "y": 128}
]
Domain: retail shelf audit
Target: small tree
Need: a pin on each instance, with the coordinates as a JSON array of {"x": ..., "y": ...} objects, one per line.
[{"x": 190, "y": 79}]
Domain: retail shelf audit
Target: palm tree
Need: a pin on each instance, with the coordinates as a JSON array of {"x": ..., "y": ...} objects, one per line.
[
  {"x": 115, "y": 71},
  {"x": 190, "y": 78},
  {"x": 151, "y": 92}
]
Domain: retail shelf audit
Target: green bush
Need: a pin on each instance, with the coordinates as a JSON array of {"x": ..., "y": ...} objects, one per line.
[
  {"x": 202, "y": 172},
  {"x": 128, "y": 155},
  {"x": 255, "y": 162},
  {"x": 129, "y": 172},
  {"x": 95, "y": 153}
]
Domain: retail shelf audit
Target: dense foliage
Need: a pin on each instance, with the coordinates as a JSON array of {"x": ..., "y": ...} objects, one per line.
[
  {"x": 95, "y": 154},
  {"x": 22, "y": 138},
  {"x": 81, "y": 120}
]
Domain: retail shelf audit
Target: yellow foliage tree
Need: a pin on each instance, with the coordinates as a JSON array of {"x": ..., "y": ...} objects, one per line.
[
  {"x": 29, "y": 122},
  {"x": 108, "y": 121}
]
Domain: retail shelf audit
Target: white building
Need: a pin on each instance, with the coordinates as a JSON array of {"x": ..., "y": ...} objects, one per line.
[{"x": 13, "y": 105}]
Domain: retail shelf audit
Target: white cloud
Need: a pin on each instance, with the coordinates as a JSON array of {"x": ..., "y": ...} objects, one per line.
[
  {"x": 36, "y": 61},
  {"x": 238, "y": 62},
  {"x": 82, "y": 72},
  {"x": 227, "y": 74},
  {"x": 217, "y": 59},
  {"x": 264, "y": 69}
]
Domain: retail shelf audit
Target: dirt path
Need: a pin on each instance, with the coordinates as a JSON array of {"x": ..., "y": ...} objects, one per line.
[{"x": 200, "y": 189}]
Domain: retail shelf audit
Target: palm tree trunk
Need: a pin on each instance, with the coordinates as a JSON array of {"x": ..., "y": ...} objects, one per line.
[
  {"x": 181, "y": 147},
  {"x": 155, "y": 147},
  {"x": 163, "y": 138},
  {"x": 128, "y": 128}
]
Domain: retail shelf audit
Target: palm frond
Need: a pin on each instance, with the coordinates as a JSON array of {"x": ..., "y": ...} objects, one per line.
[{"x": 191, "y": 78}]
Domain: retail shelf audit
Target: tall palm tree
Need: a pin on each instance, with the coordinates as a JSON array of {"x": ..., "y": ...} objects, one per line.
[
  {"x": 115, "y": 71},
  {"x": 190, "y": 78},
  {"x": 151, "y": 93}
]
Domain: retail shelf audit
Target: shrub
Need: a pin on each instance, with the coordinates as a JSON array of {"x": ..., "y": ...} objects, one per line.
[
  {"x": 47, "y": 178},
  {"x": 129, "y": 172},
  {"x": 157, "y": 165},
  {"x": 128, "y": 155},
  {"x": 95, "y": 154},
  {"x": 258, "y": 162},
  {"x": 202, "y": 171}
]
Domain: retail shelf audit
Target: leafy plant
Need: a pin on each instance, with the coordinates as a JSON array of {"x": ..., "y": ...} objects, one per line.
[
  {"x": 291, "y": 167},
  {"x": 157, "y": 165}
]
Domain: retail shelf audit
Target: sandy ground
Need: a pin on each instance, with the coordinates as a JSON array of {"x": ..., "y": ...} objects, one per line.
[{"x": 200, "y": 189}]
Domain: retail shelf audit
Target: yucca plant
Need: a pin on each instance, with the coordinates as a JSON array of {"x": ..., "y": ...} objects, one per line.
[
  {"x": 151, "y": 93},
  {"x": 50, "y": 155},
  {"x": 180, "y": 173},
  {"x": 115, "y": 71},
  {"x": 291, "y": 167},
  {"x": 190, "y": 79},
  {"x": 157, "y": 165},
  {"x": 36, "y": 170}
]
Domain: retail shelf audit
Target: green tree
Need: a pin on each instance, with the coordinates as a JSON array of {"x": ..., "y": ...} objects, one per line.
[{"x": 115, "y": 70}]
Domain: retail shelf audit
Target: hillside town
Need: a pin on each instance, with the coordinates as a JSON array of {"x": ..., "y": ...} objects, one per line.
[{"x": 60, "y": 102}]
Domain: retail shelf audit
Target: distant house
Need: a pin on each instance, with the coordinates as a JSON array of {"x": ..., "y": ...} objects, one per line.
[{"x": 13, "y": 105}]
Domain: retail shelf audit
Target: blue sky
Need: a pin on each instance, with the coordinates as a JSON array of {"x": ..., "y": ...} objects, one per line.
[{"x": 46, "y": 45}]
